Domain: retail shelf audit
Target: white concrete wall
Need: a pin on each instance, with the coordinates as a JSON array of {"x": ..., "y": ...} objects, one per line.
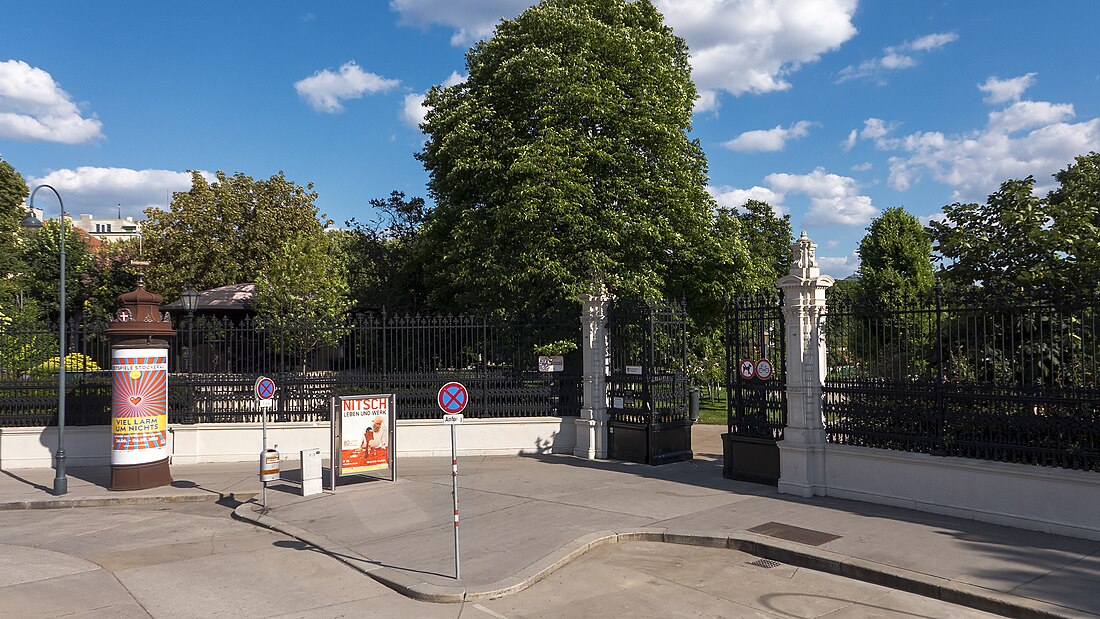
[
  {"x": 242, "y": 442},
  {"x": 1039, "y": 498}
]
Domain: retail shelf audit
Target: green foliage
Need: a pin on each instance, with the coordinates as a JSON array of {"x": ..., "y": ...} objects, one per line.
[
  {"x": 225, "y": 232},
  {"x": 13, "y": 190},
  {"x": 1017, "y": 243},
  {"x": 111, "y": 275},
  {"x": 558, "y": 347},
  {"x": 1075, "y": 209},
  {"x": 302, "y": 295},
  {"x": 563, "y": 162},
  {"x": 768, "y": 239},
  {"x": 383, "y": 269},
  {"x": 74, "y": 362},
  {"x": 24, "y": 340},
  {"x": 40, "y": 251},
  {"x": 895, "y": 260}
]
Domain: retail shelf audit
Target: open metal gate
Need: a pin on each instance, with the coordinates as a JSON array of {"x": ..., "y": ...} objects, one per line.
[
  {"x": 647, "y": 387},
  {"x": 756, "y": 395}
]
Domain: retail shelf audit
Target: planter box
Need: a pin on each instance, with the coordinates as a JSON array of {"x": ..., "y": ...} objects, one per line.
[{"x": 750, "y": 459}]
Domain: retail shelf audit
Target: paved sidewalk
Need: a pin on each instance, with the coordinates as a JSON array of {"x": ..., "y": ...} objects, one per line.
[{"x": 524, "y": 517}]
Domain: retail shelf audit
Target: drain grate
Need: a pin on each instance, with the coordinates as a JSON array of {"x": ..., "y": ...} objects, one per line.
[{"x": 765, "y": 563}]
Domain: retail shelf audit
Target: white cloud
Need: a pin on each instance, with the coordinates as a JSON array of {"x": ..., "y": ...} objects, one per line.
[
  {"x": 932, "y": 41},
  {"x": 33, "y": 107},
  {"x": 926, "y": 220},
  {"x": 896, "y": 57},
  {"x": 1029, "y": 114},
  {"x": 850, "y": 141},
  {"x": 1003, "y": 91},
  {"x": 737, "y": 46},
  {"x": 769, "y": 140},
  {"x": 707, "y": 101},
  {"x": 470, "y": 20},
  {"x": 751, "y": 46},
  {"x": 324, "y": 90},
  {"x": 413, "y": 109},
  {"x": 1035, "y": 138},
  {"x": 834, "y": 199},
  {"x": 733, "y": 198},
  {"x": 100, "y": 191},
  {"x": 862, "y": 167},
  {"x": 839, "y": 267}
]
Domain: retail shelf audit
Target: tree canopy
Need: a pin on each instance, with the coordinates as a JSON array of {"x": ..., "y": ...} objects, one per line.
[
  {"x": 768, "y": 239},
  {"x": 40, "y": 250},
  {"x": 13, "y": 190},
  {"x": 1019, "y": 243},
  {"x": 563, "y": 160},
  {"x": 225, "y": 232},
  {"x": 895, "y": 259}
]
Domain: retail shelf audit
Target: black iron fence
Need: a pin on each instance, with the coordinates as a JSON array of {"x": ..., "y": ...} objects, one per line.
[
  {"x": 1013, "y": 383},
  {"x": 215, "y": 361}
]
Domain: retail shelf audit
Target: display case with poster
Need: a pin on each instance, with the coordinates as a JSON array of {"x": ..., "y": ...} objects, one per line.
[{"x": 364, "y": 431}]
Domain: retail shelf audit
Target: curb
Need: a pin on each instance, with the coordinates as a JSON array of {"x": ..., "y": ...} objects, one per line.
[
  {"x": 104, "y": 501},
  {"x": 790, "y": 553}
]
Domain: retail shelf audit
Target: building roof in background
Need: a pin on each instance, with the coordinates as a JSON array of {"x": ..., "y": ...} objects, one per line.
[{"x": 234, "y": 297}]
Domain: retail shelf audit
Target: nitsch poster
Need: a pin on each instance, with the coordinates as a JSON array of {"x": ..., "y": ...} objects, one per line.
[
  {"x": 364, "y": 434},
  {"x": 139, "y": 406}
]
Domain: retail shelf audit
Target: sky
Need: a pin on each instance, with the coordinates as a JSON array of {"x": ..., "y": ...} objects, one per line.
[{"x": 830, "y": 110}]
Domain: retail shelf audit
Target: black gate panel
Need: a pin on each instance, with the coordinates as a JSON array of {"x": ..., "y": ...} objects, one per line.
[
  {"x": 756, "y": 394},
  {"x": 647, "y": 389}
]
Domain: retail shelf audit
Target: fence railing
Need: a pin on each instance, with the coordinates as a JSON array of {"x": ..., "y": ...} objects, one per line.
[
  {"x": 1013, "y": 383},
  {"x": 215, "y": 361},
  {"x": 756, "y": 407}
]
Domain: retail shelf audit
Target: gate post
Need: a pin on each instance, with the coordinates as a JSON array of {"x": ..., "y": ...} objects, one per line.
[
  {"x": 592, "y": 423},
  {"x": 802, "y": 450}
]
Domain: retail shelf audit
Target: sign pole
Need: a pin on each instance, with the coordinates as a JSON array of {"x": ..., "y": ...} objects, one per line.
[
  {"x": 454, "y": 495},
  {"x": 452, "y": 400}
]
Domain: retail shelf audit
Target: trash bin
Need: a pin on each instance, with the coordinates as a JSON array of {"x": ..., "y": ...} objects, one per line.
[{"x": 693, "y": 404}]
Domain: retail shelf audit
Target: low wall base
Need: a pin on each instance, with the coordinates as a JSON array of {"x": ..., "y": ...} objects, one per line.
[
  {"x": 1045, "y": 499},
  {"x": 22, "y": 448}
]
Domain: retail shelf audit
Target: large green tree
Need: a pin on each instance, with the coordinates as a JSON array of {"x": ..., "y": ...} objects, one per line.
[
  {"x": 40, "y": 251},
  {"x": 895, "y": 259},
  {"x": 1075, "y": 211},
  {"x": 226, "y": 232},
  {"x": 381, "y": 256},
  {"x": 563, "y": 160},
  {"x": 768, "y": 239},
  {"x": 1019, "y": 243},
  {"x": 13, "y": 190}
]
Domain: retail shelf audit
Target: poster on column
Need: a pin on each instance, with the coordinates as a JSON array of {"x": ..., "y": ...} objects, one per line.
[
  {"x": 364, "y": 432},
  {"x": 139, "y": 406}
]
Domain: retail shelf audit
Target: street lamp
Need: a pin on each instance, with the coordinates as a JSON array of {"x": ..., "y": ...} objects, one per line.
[
  {"x": 190, "y": 300},
  {"x": 60, "y": 482}
]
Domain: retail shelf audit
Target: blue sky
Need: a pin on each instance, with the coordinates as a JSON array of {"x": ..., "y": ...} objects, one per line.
[{"x": 833, "y": 110}]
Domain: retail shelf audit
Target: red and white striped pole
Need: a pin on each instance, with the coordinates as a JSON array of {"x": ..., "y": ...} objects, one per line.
[{"x": 454, "y": 496}]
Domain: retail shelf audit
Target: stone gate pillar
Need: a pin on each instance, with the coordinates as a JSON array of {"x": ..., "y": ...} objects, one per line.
[
  {"x": 592, "y": 423},
  {"x": 802, "y": 450}
]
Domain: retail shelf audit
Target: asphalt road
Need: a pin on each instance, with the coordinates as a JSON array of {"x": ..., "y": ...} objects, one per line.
[{"x": 194, "y": 560}]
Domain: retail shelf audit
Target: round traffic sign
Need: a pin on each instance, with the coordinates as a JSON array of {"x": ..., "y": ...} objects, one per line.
[
  {"x": 747, "y": 369},
  {"x": 764, "y": 369},
  {"x": 453, "y": 398},
  {"x": 265, "y": 388}
]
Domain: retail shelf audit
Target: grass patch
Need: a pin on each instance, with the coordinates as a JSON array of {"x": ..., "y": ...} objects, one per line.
[{"x": 712, "y": 412}]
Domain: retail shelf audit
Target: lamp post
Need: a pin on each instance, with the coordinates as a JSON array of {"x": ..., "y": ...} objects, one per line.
[
  {"x": 190, "y": 300},
  {"x": 60, "y": 482}
]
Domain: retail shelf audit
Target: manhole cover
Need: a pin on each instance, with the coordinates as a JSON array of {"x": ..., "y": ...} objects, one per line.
[
  {"x": 765, "y": 563},
  {"x": 794, "y": 534}
]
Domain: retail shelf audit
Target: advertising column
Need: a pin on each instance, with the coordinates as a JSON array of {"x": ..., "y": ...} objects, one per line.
[
  {"x": 139, "y": 336},
  {"x": 139, "y": 406}
]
